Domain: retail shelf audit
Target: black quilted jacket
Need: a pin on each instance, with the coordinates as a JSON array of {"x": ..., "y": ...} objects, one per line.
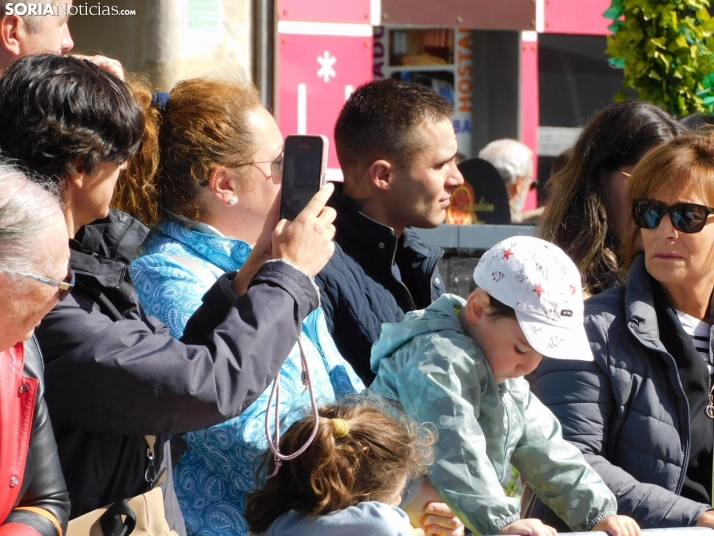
[
  {"x": 114, "y": 374},
  {"x": 374, "y": 277}
]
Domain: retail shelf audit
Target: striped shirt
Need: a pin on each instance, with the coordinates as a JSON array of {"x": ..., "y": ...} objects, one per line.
[{"x": 699, "y": 332}]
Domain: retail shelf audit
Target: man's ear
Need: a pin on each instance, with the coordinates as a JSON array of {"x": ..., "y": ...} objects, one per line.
[
  {"x": 476, "y": 306},
  {"x": 223, "y": 185},
  {"x": 10, "y": 28},
  {"x": 380, "y": 174}
]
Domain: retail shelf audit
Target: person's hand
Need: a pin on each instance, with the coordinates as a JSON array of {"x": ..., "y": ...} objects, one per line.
[
  {"x": 417, "y": 532},
  {"x": 706, "y": 519},
  {"x": 619, "y": 526},
  {"x": 428, "y": 511},
  {"x": 108, "y": 64},
  {"x": 262, "y": 251},
  {"x": 441, "y": 521},
  {"x": 306, "y": 242},
  {"x": 528, "y": 527}
]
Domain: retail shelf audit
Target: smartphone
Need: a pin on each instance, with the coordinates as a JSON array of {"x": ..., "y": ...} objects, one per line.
[{"x": 304, "y": 167}]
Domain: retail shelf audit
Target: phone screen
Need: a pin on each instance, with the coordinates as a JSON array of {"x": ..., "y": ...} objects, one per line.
[{"x": 302, "y": 173}]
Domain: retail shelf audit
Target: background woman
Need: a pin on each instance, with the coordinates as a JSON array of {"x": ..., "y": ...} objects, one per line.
[
  {"x": 33, "y": 277},
  {"x": 585, "y": 211},
  {"x": 218, "y": 175},
  {"x": 641, "y": 413}
]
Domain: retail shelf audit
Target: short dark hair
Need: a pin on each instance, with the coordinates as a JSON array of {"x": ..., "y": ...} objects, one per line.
[
  {"x": 60, "y": 115},
  {"x": 379, "y": 119}
]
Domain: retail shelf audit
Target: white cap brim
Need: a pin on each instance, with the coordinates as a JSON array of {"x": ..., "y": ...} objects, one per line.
[{"x": 555, "y": 341}]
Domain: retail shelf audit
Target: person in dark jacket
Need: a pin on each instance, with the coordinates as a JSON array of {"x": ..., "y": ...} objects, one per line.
[
  {"x": 115, "y": 375},
  {"x": 642, "y": 412},
  {"x": 397, "y": 148},
  {"x": 34, "y": 275}
]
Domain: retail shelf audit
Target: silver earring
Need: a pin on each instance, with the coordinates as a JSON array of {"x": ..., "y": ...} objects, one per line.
[{"x": 233, "y": 201}]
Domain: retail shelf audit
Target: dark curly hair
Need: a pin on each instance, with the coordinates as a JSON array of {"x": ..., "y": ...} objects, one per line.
[
  {"x": 60, "y": 115},
  {"x": 334, "y": 473},
  {"x": 379, "y": 120}
]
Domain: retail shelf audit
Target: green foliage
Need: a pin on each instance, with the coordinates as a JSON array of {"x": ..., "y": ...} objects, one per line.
[
  {"x": 513, "y": 486},
  {"x": 666, "y": 48}
]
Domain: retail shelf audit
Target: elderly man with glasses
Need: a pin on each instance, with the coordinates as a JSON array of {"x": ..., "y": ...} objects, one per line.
[{"x": 33, "y": 241}]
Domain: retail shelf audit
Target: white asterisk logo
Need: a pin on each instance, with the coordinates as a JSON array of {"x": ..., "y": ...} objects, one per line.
[{"x": 326, "y": 62}]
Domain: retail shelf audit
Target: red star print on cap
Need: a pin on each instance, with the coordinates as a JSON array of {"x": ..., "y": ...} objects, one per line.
[
  {"x": 542, "y": 284},
  {"x": 538, "y": 289}
]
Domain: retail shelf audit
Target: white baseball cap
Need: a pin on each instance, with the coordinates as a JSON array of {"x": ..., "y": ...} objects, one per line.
[{"x": 540, "y": 282}]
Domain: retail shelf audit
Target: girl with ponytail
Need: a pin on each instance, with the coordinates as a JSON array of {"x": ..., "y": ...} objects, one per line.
[{"x": 350, "y": 479}]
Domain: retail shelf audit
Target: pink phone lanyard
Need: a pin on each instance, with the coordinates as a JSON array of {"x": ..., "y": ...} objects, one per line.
[{"x": 274, "y": 442}]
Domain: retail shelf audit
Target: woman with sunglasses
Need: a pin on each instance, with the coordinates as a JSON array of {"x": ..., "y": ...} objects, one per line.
[
  {"x": 114, "y": 374},
  {"x": 33, "y": 260},
  {"x": 643, "y": 412}
]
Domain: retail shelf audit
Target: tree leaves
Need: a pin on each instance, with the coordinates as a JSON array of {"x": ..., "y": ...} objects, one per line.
[{"x": 666, "y": 48}]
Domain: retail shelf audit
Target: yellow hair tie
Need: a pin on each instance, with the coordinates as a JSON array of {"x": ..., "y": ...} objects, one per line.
[{"x": 341, "y": 428}]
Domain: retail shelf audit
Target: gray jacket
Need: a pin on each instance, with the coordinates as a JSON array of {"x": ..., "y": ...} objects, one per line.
[
  {"x": 440, "y": 375},
  {"x": 627, "y": 410}
]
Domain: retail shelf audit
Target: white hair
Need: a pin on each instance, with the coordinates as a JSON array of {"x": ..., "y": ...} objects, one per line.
[
  {"x": 510, "y": 157},
  {"x": 28, "y": 206}
]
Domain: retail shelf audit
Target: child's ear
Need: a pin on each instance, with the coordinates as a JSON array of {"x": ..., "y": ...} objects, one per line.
[{"x": 479, "y": 301}]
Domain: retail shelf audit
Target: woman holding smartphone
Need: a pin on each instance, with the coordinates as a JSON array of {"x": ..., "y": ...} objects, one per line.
[{"x": 218, "y": 158}]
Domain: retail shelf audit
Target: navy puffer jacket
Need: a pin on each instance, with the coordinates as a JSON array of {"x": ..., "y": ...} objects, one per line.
[{"x": 627, "y": 410}]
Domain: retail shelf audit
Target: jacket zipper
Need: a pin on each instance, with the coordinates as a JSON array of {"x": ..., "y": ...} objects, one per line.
[
  {"x": 409, "y": 294},
  {"x": 710, "y": 413},
  {"x": 506, "y": 460},
  {"x": 683, "y": 395}
]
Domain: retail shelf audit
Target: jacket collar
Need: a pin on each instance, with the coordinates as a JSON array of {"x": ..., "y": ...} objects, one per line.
[
  {"x": 108, "y": 272},
  {"x": 639, "y": 305},
  {"x": 117, "y": 236},
  {"x": 226, "y": 253},
  {"x": 374, "y": 238}
]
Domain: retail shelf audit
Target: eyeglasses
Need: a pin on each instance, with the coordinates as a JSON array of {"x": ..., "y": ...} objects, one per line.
[
  {"x": 65, "y": 285},
  {"x": 276, "y": 166},
  {"x": 686, "y": 217}
]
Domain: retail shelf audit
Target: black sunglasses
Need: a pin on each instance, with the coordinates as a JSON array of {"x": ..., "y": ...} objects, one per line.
[
  {"x": 65, "y": 286},
  {"x": 686, "y": 217}
]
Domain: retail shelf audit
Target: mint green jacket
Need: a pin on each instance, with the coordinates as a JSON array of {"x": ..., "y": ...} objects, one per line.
[{"x": 441, "y": 376}]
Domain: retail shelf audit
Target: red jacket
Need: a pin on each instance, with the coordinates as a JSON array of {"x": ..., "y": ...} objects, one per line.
[{"x": 33, "y": 497}]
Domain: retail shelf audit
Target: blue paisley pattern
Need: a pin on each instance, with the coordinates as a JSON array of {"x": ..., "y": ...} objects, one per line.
[{"x": 176, "y": 266}]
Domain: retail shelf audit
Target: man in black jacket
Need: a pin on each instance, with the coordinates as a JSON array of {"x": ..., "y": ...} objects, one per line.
[
  {"x": 396, "y": 146},
  {"x": 114, "y": 374}
]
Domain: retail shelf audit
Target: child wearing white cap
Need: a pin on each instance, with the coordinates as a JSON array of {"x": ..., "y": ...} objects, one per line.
[{"x": 460, "y": 365}]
